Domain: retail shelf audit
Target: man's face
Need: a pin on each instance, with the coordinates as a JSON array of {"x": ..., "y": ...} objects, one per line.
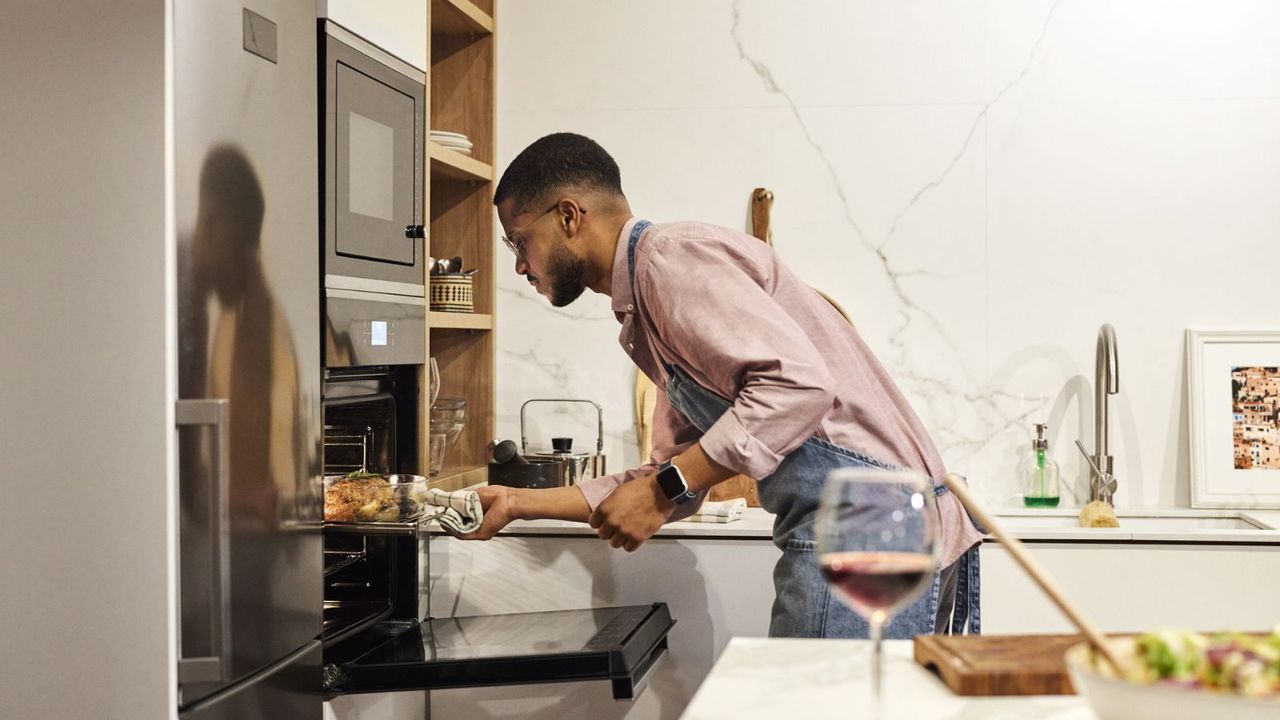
[{"x": 543, "y": 254}]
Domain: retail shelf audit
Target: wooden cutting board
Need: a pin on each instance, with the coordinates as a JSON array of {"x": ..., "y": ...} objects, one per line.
[{"x": 998, "y": 664}]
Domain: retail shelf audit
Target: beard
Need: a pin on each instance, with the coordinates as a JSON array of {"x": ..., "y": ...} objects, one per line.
[{"x": 568, "y": 275}]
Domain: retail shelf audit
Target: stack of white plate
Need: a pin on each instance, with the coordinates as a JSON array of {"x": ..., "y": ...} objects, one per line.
[{"x": 452, "y": 140}]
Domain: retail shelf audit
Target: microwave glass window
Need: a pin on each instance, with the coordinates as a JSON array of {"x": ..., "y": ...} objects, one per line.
[
  {"x": 375, "y": 170},
  {"x": 371, "y": 182}
]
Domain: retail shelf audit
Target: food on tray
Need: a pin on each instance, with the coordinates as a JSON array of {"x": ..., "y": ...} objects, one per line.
[
  {"x": 1245, "y": 664},
  {"x": 369, "y": 497}
]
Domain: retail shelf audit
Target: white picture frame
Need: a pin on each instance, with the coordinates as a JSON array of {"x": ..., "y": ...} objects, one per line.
[{"x": 1233, "y": 377}]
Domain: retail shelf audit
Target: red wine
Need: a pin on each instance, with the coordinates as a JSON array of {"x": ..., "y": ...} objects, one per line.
[{"x": 871, "y": 581}]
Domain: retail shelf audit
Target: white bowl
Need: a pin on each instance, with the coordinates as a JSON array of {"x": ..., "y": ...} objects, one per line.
[{"x": 1114, "y": 699}]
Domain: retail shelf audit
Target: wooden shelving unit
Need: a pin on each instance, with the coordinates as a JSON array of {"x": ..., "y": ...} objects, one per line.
[
  {"x": 459, "y": 321},
  {"x": 449, "y": 164},
  {"x": 457, "y": 477},
  {"x": 458, "y": 198},
  {"x": 460, "y": 17}
]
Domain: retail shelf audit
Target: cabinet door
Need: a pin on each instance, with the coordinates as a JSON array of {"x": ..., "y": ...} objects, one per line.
[{"x": 1128, "y": 587}]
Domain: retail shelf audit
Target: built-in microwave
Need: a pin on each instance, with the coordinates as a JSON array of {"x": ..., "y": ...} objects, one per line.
[{"x": 371, "y": 158}]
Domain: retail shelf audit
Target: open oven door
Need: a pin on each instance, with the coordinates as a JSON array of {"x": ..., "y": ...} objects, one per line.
[
  {"x": 374, "y": 640},
  {"x": 618, "y": 644}
]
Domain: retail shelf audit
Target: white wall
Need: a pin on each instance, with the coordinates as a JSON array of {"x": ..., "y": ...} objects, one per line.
[{"x": 981, "y": 184}]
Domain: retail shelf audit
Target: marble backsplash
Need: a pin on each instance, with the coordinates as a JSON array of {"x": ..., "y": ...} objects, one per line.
[{"x": 981, "y": 184}]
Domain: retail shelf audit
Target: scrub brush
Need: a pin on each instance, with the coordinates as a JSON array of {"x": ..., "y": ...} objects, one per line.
[{"x": 1098, "y": 514}]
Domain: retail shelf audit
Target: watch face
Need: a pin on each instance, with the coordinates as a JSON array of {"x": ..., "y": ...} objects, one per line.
[{"x": 671, "y": 482}]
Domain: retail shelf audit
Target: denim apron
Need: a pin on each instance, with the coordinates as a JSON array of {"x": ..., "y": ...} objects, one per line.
[{"x": 804, "y": 605}]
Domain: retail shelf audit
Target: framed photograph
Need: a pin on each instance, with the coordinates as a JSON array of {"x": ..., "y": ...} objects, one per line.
[{"x": 1233, "y": 403}]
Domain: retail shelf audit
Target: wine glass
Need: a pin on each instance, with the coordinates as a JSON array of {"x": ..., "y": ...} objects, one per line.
[
  {"x": 877, "y": 536},
  {"x": 433, "y": 379}
]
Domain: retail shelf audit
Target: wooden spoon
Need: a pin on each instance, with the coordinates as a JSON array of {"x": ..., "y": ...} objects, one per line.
[{"x": 1092, "y": 635}]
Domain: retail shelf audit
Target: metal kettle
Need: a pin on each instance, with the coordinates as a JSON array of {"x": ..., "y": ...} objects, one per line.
[{"x": 578, "y": 465}]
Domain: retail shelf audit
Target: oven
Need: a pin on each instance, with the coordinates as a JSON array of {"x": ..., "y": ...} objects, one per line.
[
  {"x": 371, "y": 156},
  {"x": 379, "y": 632}
]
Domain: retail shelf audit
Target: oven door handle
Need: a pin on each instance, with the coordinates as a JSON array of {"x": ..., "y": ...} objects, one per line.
[{"x": 214, "y": 668}]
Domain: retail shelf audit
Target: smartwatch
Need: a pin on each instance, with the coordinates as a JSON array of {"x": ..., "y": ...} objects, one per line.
[{"x": 673, "y": 485}]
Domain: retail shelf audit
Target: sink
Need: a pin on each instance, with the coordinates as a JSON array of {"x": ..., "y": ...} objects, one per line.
[{"x": 1136, "y": 522}]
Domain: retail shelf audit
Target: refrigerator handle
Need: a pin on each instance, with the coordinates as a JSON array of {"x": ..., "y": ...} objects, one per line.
[{"x": 215, "y": 668}]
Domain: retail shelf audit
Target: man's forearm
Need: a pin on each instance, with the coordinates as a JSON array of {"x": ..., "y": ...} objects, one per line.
[
  {"x": 699, "y": 470},
  {"x": 562, "y": 503}
]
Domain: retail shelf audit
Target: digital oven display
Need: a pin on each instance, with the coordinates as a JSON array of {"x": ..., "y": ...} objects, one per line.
[{"x": 378, "y": 333}]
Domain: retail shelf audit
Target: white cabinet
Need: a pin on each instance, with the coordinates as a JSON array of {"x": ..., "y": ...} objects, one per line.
[
  {"x": 397, "y": 26},
  {"x": 1134, "y": 586}
]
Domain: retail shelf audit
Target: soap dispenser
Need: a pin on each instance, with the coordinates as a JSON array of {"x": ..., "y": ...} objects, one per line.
[{"x": 1040, "y": 474}]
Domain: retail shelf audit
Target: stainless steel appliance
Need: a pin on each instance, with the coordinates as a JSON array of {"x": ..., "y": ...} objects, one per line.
[
  {"x": 577, "y": 465},
  {"x": 372, "y": 155},
  {"x": 379, "y": 632},
  {"x": 248, "y": 414}
]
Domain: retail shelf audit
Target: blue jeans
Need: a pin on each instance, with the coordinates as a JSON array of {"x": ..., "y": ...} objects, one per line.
[{"x": 804, "y": 605}]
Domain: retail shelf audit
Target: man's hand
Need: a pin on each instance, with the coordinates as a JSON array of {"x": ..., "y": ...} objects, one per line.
[
  {"x": 632, "y": 513},
  {"x": 498, "y": 503}
]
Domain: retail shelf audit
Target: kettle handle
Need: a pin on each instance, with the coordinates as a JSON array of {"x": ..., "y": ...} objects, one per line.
[{"x": 524, "y": 441}]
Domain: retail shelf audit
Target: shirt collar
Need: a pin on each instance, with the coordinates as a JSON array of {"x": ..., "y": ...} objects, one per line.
[{"x": 623, "y": 297}]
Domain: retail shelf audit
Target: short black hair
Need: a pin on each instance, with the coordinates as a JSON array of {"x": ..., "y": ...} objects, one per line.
[{"x": 555, "y": 162}]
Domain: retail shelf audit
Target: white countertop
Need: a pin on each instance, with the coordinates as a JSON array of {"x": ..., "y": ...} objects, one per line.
[
  {"x": 773, "y": 679},
  {"x": 755, "y": 523},
  {"x": 1044, "y": 525},
  {"x": 1144, "y": 525}
]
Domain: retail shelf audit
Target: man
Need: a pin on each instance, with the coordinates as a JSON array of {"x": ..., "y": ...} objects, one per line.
[{"x": 761, "y": 377}]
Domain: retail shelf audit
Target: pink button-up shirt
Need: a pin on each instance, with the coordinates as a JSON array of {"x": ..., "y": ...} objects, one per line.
[{"x": 723, "y": 307}]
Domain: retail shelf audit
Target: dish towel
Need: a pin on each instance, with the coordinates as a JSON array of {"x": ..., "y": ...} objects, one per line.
[
  {"x": 720, "y": 512},
  {"x": 459, "y": 512}
]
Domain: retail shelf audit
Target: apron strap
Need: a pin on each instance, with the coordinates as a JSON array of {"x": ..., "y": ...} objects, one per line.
[{"x": 636, "y": 231}]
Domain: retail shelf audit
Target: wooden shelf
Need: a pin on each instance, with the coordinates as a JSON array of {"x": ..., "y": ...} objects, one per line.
[
  {"x": 458, "y": 199},
  {"x": 459, "y": 321},
  {"x": 459, "y": 17},
  {"x": 450, "y": 165},
  {"x": 460, "y": 477}
]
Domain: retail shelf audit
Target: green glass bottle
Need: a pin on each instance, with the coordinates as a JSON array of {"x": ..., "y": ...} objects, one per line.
[{"x": 1040, "y": 474}]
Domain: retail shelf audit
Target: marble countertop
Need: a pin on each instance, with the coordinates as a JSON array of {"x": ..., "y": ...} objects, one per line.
[
  {"x": 755, "y": 523},
  {"x": 1145, "y": 525},
  {"x": 769, "y": 679},
  {"x": 1140, "y": 525}
]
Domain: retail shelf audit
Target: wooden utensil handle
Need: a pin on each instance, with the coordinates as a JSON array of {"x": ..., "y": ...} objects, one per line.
[
  {"x": 1041, "y": 577},
  {"x": 761, "y": 211}
]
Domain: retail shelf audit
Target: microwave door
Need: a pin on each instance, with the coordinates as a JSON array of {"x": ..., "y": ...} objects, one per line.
[
  {"x": 616, "y": 644},
  {"x": 375, "y": 182},
  {"x": 373, "y": 165}
]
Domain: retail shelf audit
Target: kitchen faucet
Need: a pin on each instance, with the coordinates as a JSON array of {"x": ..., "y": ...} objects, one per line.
[{"x": 1106, "y": 381}]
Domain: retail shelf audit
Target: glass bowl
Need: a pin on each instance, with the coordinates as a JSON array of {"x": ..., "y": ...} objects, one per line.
[
  {"x": 373, "y": 497},
  {"x": 448, "y": 415}
]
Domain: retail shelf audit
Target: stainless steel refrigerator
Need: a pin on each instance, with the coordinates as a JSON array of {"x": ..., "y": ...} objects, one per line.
[{"x": 249, "y": 416}]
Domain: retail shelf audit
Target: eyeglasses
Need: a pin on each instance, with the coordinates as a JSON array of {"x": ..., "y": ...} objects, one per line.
[{"x": 517, "y": 244}]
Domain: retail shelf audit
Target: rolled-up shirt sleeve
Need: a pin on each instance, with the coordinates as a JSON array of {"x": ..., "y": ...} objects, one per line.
[
  {"x": 719, "y": 321},
  {"x": 672, "y": 435}
]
